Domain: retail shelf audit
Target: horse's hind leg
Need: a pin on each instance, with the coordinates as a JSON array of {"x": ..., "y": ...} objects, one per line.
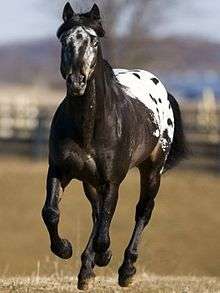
[
  {"x": 88, "y": 256},
  {"x": 51, "y": 214},
  {"x": 150, "y": 182}
]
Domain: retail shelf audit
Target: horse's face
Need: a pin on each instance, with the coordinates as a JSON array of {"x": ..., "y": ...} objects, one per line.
[
  {"x": 78, "y": 57},
  {"x": 79, "y": 36}
]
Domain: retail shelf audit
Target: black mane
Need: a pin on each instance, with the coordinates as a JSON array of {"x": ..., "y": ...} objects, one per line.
[{"x": 109, "y": 70}]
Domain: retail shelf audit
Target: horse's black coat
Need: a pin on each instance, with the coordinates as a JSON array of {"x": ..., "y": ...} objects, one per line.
[
  {"x": 179, "y": 149},
  {"x": 97, "y": 137}
]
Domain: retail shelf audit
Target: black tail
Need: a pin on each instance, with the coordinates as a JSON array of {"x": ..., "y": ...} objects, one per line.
[{"x": 179, "y": 150}]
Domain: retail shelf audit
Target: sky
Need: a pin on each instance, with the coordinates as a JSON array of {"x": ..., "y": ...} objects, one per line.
[
  {"x": 199, "y": 18},
  {"x": 24, "y": 19},
  {"x": 30, "y": 19}
]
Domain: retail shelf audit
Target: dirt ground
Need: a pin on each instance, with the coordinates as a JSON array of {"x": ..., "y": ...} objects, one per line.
[
  {"x": 144, "y": 283},
  {"x": 183, "y": 237}
]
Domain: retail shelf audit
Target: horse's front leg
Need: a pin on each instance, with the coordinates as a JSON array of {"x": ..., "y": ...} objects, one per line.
[
  {"x": 51, "y": 214},
  {"x": 109, "y": 197},
  {"x": 150, "y": 182},
  {"x": 88, "y": 256}
]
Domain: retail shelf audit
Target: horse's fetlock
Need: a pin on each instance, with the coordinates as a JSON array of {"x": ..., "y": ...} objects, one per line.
[
  {"x": 127, "y": 269},
  {"x": 131, "y": 256},
  {"x": 86, "y": 258},
  {"x": 101, "y": 243},
  {"x": 86, "y": 272}
]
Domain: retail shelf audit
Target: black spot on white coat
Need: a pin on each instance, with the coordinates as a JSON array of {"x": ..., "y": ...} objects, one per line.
[
  {"x": 137, "y": 75},
  {"x": 169, "y": 122},
  {"x": 155, "y": 80},
  {"x": 155, "y": 101}
]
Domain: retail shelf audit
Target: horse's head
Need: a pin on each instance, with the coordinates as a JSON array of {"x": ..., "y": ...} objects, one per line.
[{"x": 79, "y": 36}]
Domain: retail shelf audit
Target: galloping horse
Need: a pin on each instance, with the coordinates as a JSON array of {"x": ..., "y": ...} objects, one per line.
[{"x": 109, "y": 122}]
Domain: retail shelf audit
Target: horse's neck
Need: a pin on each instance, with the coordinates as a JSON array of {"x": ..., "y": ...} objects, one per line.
[
  {"x": 92, "y": 109},
  {"x": 101, "y": 88},
  {"x": 101, "y": 100}
]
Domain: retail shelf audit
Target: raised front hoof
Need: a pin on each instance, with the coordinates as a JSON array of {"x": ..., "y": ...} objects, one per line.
[
  {"x": 62, "y": 249},
  {"x": 84, "y": 283},
  {"x": 103, "y": 259},
  {"x": 126, "y": 276}
]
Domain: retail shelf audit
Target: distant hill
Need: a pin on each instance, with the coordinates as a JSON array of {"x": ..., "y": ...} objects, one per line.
[
  {"x": 30, "y": 62},
  {"x": 39, "y": 61}
]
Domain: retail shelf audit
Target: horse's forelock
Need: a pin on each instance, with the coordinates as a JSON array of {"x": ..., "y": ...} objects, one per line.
[{"x": 81, "y": 20}]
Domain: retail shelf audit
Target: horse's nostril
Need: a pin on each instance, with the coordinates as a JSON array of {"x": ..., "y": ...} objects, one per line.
[
  {"x": 83, "y": 79},
  {"x": 76, "y": 80},
  {"x": 71, "y": 78}
]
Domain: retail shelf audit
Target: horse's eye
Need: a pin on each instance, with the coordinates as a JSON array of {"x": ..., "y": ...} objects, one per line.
[{"x": 63, "y": 43}]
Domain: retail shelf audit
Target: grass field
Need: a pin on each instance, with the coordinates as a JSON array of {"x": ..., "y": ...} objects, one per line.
[
  {"x": 143, "y": 283},
  {"x": 183, "y": 237}
]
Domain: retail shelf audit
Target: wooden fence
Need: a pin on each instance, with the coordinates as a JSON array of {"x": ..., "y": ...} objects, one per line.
[{"x": 25, "y": 123}]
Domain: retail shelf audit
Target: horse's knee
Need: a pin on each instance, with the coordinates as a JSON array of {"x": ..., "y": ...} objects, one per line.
[{"x": 50, "y": 215}]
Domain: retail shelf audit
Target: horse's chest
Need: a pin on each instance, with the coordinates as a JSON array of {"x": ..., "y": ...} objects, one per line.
[{"x": 74, "y": 161}]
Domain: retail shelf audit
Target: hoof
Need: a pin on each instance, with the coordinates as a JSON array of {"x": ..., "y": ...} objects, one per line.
[
  {"x": 103, "y": 259},
  {"x": 125, "y": 277},
  {"x": 84, "y": 283},
  {"x": 62, "y": 248},
  {"x": 125, "y": 281}
]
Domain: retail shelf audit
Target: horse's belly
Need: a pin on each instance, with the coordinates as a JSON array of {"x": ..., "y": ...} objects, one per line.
[{"x": 144, "y": 86}]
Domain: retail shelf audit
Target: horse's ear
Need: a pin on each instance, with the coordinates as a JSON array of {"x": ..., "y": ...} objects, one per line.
[
  {"x": 68, "y": 12},
  {"x": 95, "y": 12}
]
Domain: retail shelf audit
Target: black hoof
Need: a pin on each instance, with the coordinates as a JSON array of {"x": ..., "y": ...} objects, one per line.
[
  {"x": 103, "y": 259},
  {"x": 62, "y": 248},
  {"x": 125, "y": 281},
  {"x": 84, "y": 282},
  {"x": 125, "y": 277}
]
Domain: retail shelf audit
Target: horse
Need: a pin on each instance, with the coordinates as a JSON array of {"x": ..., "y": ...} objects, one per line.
[{"x": 109, "y": 122}]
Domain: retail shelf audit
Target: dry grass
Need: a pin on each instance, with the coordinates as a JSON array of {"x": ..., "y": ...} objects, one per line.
[
  {"x": 143, "y": 283},
  {"x": 183, "y": 237}
]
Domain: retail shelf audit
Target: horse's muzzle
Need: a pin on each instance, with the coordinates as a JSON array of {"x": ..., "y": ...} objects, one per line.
[{"x": 76, "y": 83}]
